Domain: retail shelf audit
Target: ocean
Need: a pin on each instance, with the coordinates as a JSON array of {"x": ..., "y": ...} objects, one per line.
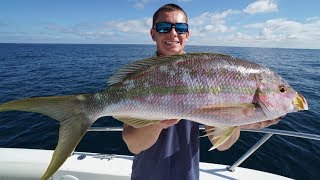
[{"x": 28, "y": 70}]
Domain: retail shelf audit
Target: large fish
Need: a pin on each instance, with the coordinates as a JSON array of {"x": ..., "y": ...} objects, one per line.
[{"x": 211, "y": 89}]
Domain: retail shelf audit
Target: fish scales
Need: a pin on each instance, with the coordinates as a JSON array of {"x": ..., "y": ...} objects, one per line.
[
  {"x": 202, "y": 75},
  {"x": 198, "y": 76},
  {"x": 216, "y": 78}
]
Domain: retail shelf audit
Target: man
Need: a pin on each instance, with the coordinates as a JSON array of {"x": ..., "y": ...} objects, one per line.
[{"x": 170, "y": 149}]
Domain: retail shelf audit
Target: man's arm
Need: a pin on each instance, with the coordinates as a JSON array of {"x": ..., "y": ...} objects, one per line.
[{"x": 140, "y": 139}]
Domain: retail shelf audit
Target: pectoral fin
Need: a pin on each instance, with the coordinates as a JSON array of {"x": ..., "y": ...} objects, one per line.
[
  {"x": 221, "y": 133},
  {"x": 136, "y": 123}
]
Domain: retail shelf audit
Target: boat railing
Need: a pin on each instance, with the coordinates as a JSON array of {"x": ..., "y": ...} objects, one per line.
[{"x": 267, "y": 131}]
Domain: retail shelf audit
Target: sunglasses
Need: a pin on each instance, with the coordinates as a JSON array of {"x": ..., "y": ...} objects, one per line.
[{"x": 165, "y": 27}]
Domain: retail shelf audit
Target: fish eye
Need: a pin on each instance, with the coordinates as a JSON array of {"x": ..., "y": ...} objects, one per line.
[{"x": 282, "y": 89}]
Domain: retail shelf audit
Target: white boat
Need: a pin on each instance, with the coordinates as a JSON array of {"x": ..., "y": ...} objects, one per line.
[
  {"x": 18, "y": 163},
  {"x": 31, "y": 163}
]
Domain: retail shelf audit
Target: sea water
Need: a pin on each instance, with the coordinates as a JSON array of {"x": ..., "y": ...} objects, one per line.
[{"x": 28, "y": 70}]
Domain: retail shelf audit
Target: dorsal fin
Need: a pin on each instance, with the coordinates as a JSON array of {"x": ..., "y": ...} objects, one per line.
[
  {"x": 144, "y": 64},
  {"x": 139, "y": 66}
]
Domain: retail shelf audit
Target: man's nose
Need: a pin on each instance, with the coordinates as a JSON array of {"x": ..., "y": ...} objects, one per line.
[{"x": 173, "y": 31}]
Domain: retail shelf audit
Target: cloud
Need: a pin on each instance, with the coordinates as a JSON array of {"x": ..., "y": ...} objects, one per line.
[
  {"x": 120, "y": 31},
  {"x": 278, "y": 32},
  {"x": 212, "y": 18},
  {"x": 139, "y": 4},
  {"x": 261, "y": 6},
  {"x": 76, "y": 29},
  {"x": 141, "y": 26},
  {"x": 224, "y": 28},
  {"x": 211, "y": 23},
  {"x": 282, "y": 29}
]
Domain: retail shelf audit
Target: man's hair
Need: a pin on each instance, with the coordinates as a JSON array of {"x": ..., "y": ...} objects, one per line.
[{"x": 168, "y": 8}]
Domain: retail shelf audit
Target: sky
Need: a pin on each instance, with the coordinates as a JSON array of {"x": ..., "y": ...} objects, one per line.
[{"x": 241, "y": 23}]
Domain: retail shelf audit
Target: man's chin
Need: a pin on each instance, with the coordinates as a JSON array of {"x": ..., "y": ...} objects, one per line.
[
  {"x": 174, "y": 51},
  {"x": 171, "y": 50}
]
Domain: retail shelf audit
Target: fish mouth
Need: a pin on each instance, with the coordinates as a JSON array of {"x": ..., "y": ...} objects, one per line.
[{"x": 299, "y": 103}]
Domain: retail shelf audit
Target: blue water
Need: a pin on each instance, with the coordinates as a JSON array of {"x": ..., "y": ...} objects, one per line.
[{"x": 28, "y": 70}]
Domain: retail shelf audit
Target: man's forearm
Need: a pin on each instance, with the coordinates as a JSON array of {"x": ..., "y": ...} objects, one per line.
[{"x": 140, "y": 139}]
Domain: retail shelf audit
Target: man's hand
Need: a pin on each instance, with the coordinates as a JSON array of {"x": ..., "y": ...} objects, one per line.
[
  {"x": 235, "y": 136},
  {"x": 140, "y": 139},
  {"x": 261, "y": 125},
  {"x": 168, "y": 123}
]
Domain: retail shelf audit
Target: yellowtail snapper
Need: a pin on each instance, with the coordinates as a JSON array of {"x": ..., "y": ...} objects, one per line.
[{"x": 211, "y": 89}]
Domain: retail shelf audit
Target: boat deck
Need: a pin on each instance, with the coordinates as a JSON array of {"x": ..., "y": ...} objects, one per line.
[{"x": 31, "y": 164}]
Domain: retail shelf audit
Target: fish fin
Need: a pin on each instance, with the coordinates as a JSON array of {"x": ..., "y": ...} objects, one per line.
[
  {"x": 227, "y": 109},
  {"x": 71, "y": 132},
  {"x": 73, "y": 122},
  {"x": 137, "y": 67},
  {"x": 141, "y": 65},
  {"x": 53, "y": 106},
  {"x": 136, "y": 123},
  {"x": 221, "y": 133}
]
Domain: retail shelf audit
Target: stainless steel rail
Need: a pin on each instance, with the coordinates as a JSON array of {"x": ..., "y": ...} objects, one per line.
[
  {"x": 265, "y": 130},
  {"x": 285, "y": 133},
  {"x": 106, "y": 129},
  {"x": 268, "y": 133},
  {"x": 249, "y": 152}
]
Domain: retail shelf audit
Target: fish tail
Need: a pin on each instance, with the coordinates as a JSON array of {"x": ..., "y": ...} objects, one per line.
[{"x": 69, "y": 111}]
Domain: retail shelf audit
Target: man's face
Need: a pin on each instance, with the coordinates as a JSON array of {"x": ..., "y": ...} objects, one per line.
[{"x": 170, "y": 43}]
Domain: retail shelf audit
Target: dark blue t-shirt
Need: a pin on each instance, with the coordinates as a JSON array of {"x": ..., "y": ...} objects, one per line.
[{"x": 174, "y": 156}]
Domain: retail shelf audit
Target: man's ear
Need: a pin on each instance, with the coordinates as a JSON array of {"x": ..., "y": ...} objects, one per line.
[
  {"x": 153, "y": 34},
  {"x": 187, "y": 35}
]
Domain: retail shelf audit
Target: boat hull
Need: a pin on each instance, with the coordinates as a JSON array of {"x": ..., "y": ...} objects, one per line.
[{"x": 17, "y": 163}]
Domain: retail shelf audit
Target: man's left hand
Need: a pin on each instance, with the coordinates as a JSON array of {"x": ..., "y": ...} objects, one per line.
[{"x": 235, "y": 136}]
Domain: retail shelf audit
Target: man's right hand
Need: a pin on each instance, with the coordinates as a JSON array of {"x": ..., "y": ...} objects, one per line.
[
  {"x": 140, "y": 139},
  {"x": 168, "y": 123}
]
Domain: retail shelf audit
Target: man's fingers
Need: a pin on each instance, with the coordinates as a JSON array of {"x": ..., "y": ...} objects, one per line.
[
  {"x": 168, "y": 123},
  {"x": 261, "y": 125}
]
